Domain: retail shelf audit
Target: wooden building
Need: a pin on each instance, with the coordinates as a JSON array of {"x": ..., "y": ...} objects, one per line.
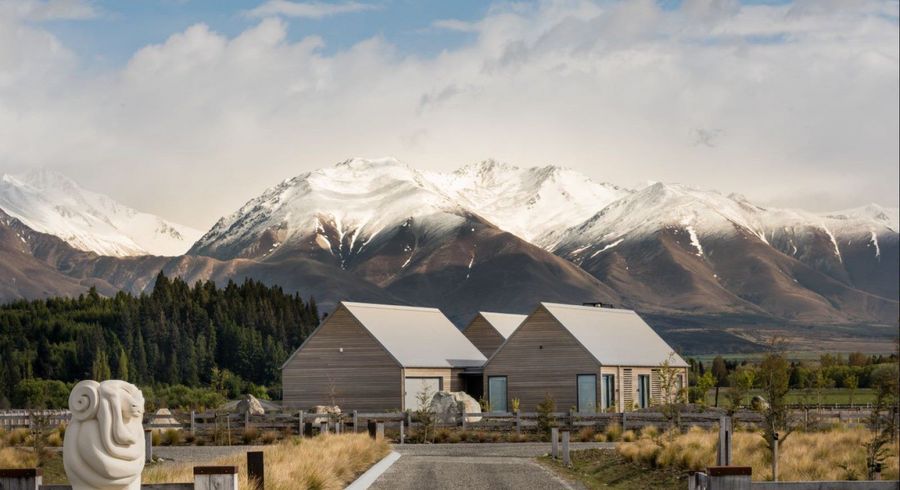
[
  {"x": 378, "y": 358},
  {"x": 584, "y": 357},
  {"x": 487, "y": 331}
]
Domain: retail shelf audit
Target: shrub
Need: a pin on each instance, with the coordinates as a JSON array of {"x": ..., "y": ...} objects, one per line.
[
  {"x": 172, "y": 437},
  {"x": 249, "y": 435},
  {"x": 54, "y": 439},
  {"x": 586, "y": 434},
  {"x": 629, "y": 436},
  {"x": 599, "y": 437},
  {"x": 545, "y": 418},
  {"x": 613, "y": 432},
  {"x": 268, "y": 437},
  {"x": 155, "y": 438}
]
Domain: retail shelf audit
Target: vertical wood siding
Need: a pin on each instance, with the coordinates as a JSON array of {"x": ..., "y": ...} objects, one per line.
[
  {"x": 362, "y": 377},
  {"x": 483, "y": 336},
  {"x": 540, "y": 358}
]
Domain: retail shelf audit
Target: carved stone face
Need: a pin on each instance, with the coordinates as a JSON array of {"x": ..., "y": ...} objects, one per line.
[{"x": 132, "y": 404}]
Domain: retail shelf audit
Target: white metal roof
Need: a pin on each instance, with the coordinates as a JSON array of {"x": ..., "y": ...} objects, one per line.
[
  {"x": 504, "y": 323},
  {"x": 614, "y": 337},
  {"x": 417, "y": 337}
]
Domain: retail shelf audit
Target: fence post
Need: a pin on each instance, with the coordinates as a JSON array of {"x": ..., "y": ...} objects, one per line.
[
  {"x": 300, "y": 423},
  {"x": 22, "y": 478},
  {"x": 193, "y": 427},
  {"x": 729, "y": 477},
  {"x": 372, "y": 428},
  {"x": 215, "y": 478},
  {"x": 307, "y": 429},
  {"x": 379, "y": 431},
  {"x": 256, "y": 469},
  {"x": 775, "y": 457},
  {"x": 402, "y": 433},
  {"x": 323, "y": 428},
  {"x": 723, "y": 453},
  {"x": 518, "y": 422},
  {"x": 355, "y": 421},
  {"x": 554, "y": 442},
  {"x": 148, "y": 447},
  {"x": 565, "y": 448}
]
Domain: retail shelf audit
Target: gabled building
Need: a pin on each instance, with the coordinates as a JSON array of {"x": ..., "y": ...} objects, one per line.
[
  {"x": 487, "y": 331},
  {"x": 377, "y": 358},
  {"x": 584, "y": 357}
]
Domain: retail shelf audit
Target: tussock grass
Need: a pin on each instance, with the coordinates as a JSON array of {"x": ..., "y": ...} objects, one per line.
[
  {"x": 835, "y": 454},
  {"x": 324, "y": 463}
]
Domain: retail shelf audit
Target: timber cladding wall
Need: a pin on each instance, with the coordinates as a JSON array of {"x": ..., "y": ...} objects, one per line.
[
  {"x": 362, "y": 377},
  {"x": 540, "y": 358},
  {"x": 484, "y": 336}
]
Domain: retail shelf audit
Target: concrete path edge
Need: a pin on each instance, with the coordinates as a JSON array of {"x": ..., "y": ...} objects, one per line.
[{"x": 368, "y": 478}]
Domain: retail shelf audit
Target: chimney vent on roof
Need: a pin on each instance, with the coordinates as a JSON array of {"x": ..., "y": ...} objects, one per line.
[{"x": 597, "y": 304}]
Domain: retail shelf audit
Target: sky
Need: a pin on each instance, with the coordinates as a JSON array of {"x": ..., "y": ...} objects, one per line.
[{"x": 189, "y": 108}]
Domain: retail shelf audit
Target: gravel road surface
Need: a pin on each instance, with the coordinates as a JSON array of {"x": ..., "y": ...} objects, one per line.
[{"x": 475, "y": 466}]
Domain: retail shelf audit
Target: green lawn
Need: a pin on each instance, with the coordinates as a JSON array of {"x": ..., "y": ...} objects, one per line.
[
  {"x": 830, "y": 396},
  {"x": 605, "y": 468}
]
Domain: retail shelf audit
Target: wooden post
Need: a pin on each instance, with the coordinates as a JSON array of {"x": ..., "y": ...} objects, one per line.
[
  {"x": 565, "y": 448},
  {"x": 623, "y": 422},
  {"x": 571, "y": 418},
  {"x": 723, "y": 453},
  {"x": 247, "y": 420},
  {"x": 256, "y": 473},
  {"x": 193, "y": 426},
  {"x": 379, "y": 431},
  {"x": 307, "y": 429},
  {"x": 518, "y": 422},
  {"x": 21, "y": 479},
  {"x": 729, "y": 477},
  {"x": 355, "y": 421},
  {"x": 148, "y": 446},
  {"x": 300, "y": 425},
  {"x": 775, "y": 457},
  {"x": 554, "y": 442},
  {"x": 372, "y": 428},
  {"x": 323, "y": 428},
  {"x": 215, "y": 478},
  {"x": 402, "y": 434}
]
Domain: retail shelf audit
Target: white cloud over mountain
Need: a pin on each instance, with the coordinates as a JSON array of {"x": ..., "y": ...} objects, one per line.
[{"x": 793, "y": 104}]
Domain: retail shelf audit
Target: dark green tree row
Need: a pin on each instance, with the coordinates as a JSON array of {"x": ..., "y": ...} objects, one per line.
[{"x": 176, "y": 335}]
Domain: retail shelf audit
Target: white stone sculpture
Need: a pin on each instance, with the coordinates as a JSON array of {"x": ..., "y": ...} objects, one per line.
[{"x": 104, "y": 443}]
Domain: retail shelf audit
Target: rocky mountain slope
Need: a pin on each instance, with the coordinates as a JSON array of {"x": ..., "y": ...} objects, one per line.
[{"x": 51, "y": 203}]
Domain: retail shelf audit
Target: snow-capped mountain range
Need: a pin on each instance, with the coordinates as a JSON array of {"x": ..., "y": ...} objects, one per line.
[
  {"x": 489, "y": 236},
  {"x": 51, "y": 203},
  {"x": 555, "y": 208}
]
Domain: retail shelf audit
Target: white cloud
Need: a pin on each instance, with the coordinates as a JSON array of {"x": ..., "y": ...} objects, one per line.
[
  {"x": 455, "y": 25},
  {"x": 785, "y": 104},
  {"x": 44, "y": 10},
  {"x": 309, "y": 10}
]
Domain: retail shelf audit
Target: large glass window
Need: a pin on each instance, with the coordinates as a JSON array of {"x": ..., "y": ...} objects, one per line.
[
  {"x": 609, "y": 391},
  {"x": 587, "y": 393},
  {"x": 497, "y": 393},
  {"x": 416, "y": 388},
  {"x": 643, "y": 390}
]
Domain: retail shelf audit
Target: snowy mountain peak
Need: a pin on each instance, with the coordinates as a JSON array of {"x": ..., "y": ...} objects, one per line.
[{"x": 50, "y": 202}]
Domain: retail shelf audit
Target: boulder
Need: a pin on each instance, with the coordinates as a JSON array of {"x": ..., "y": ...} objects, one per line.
[
  {"x": 250, "y": 405},
  {"x": 448, "y": 405},
  {"x": 759, "y": 403},
  {"x": 327, "y": 412}
]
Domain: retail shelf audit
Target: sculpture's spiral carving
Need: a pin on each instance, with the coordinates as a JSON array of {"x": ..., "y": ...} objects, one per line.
[
  {"x": 104, "y": 444},
  {"x": 83, "y": 400}
]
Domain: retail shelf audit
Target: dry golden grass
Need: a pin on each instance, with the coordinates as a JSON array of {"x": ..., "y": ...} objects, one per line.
[
  {"x": 837, "y": 454},
  {"x": 323, "y": 463}
]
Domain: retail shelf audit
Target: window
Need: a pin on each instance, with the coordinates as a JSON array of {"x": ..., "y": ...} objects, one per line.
[
  {"x": 497, "y": 393},
  {"x": 643, "y": 390},
  {"x": 587, "y": 393},
  {"x": 414, "y": 387},
  {"x": 609, "y": 391}
]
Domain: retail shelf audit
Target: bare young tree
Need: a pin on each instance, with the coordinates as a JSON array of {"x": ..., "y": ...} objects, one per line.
[
  {"x": 425, "y": 414},
  {"x": 672, "y": 393},
  {"x": 778, "y": 422}
]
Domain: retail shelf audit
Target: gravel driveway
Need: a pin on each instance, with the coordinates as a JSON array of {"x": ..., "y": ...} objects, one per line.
[{"x": 490, "y": 466}]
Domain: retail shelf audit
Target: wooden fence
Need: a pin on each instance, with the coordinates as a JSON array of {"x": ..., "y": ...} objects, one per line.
[{"x": 224, "y": 425}]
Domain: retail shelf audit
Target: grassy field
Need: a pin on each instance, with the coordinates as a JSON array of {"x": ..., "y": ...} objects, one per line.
[
  {"x": 327, "y": 462},
  {"x": 830, "y": 396},
  {"x": 837, "y": 454},
  {"x": 606, "y": 468}
]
